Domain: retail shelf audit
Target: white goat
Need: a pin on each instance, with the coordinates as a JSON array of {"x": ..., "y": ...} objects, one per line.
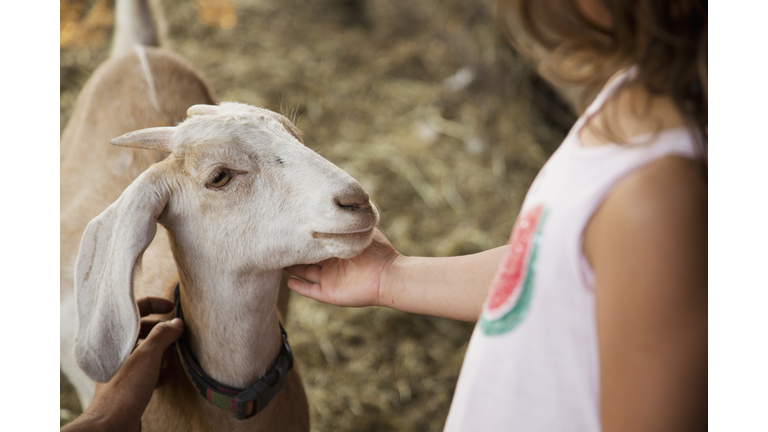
[{"x": 240, "y": 198}]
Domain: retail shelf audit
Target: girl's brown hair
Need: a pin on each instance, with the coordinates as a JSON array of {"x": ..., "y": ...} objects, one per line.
[{"x": 667, "y": 40}]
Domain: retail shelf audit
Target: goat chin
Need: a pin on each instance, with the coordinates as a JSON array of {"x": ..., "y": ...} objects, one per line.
[
  {"x": 346, "y": 245},
  {"x": 230, "y": 187}
]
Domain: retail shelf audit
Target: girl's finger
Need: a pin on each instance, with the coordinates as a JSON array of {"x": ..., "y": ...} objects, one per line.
[
  {"x": 310, "y": 273},
  {"x": 307, "y": 289},
  {"x": 297, "y": 270}
]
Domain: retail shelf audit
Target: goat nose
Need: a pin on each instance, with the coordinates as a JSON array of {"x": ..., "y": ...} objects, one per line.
[{"x": 353, "y": 198}]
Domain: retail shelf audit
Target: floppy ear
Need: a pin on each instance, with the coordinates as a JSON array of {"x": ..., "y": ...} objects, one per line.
[{"x": 112, "y": 245}]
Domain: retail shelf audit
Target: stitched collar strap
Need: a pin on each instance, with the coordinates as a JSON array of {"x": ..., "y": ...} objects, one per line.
[{"x": 245, "y": 403}]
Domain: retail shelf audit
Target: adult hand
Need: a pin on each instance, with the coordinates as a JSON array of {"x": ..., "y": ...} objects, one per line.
[
  {"x": 119, "y": 404},
  {"x": 358, "y": 281}
]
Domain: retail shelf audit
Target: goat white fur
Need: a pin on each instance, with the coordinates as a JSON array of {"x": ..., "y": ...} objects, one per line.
[
  {"x": 115, "y": 100},
  {"x": 283, "y": 205}
]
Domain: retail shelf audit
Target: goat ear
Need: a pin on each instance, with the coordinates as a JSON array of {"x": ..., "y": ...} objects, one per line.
[
  {"x": 112, "y": 246},
  {"x": 293, "y": 130},
  {"x": 158, "y": 138},
  {"x": 202, "y": 110}
]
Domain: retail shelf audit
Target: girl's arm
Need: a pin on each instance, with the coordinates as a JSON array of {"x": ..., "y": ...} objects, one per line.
[
  {"x": 647, "y": 244},
  {"x": 451, "y": 287}
]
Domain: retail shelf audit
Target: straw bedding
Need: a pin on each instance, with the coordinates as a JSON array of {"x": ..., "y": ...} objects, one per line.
[{"x": 425, "y": 104}]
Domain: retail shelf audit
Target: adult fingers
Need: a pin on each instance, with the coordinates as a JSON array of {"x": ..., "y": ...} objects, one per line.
[
  {"x": 153, "y": 305},
  {"x": 146, "y": 326},
  {"x": 162, "y": 335},
  {"x": 169, "y": 369}
]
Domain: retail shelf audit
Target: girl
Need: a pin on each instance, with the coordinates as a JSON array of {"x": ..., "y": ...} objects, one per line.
[{"x": 596, "y": 316}]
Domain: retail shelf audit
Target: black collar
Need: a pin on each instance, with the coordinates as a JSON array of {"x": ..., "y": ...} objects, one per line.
[{"x": 245, "y": 403}]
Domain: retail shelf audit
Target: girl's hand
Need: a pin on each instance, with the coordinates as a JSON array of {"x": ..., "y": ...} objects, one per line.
[{"x": 358, "y": 281}]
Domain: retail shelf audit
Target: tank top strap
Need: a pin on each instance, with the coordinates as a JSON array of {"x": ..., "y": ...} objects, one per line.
[{"x": 618, "y": 80}]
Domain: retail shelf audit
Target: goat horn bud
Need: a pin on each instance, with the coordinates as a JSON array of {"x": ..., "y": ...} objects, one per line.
[
  {"x": 202, "y": 110},
  {"x": 158, "y": 138}
]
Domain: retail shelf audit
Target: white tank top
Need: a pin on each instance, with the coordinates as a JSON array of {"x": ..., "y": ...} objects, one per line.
[{"x": 532, "y": 363}]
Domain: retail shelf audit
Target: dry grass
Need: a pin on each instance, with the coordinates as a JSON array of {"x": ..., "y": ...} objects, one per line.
[{"x": 426, "y": 105}]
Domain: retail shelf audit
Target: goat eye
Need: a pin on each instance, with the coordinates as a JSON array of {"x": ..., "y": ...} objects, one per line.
[{"x": 220, "y": 178}]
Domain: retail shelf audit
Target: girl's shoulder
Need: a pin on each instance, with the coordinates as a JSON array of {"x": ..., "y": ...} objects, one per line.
[
  {"x": 623, "y": 114},
  {"x": 647, "y": 245},
  {"x": 628, "y": 111},
  {"x": 666, "y": 194}
]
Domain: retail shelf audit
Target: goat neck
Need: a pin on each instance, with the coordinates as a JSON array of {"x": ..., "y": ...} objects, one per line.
[{"x": 231, "y": 320}]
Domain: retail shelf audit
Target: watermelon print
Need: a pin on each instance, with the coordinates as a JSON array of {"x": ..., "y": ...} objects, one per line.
[{"x": 511, "y": 289}]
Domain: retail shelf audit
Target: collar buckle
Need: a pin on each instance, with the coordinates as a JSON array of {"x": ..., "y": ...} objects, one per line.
[{"x": 256, "y": 397}]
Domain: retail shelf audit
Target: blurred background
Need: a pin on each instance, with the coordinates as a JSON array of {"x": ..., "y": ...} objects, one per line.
[{"x": 426, "y": 104}]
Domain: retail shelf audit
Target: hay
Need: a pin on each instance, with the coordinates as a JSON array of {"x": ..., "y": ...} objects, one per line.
[{"x": 427, "y": 106}]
